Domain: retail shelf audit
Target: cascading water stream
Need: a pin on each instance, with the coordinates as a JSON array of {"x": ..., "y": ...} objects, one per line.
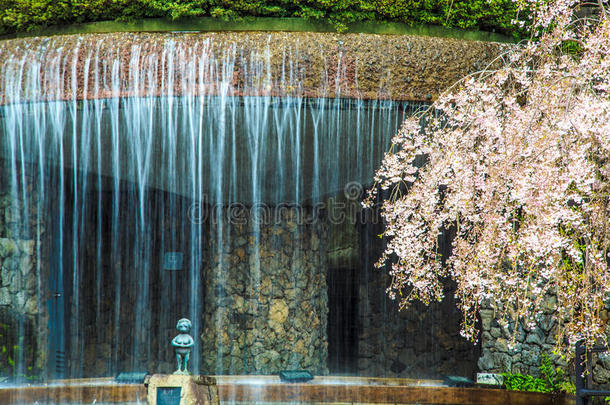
[{"x": 117, "y": 154}]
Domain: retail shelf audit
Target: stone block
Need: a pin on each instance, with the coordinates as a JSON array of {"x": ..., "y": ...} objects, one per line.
[
  {"x": 490, "y": 379},
  {"x": 278, "y": 311},
  {"x": 535, "y": 337},
  {"x": 549, "y": 305},
  {"x": 604, "y": 359},
  {"x": 531, "y": 357},
  {"x": 5, "y": 275},
  {"x": 19, "y": 300},
  {"x": 31, "y": 306},
  {"x": 15, "y": 283},
  {"x": 5, "y": 297},
  {"x": 486, "y": 318},
  {"x": 502, "y": 362},
  {"x": 501, "y": 345},
  {"x": 27, "y": 247},
  {"x": 193, "y": 390},
  {"x": 546, "y": 323}
]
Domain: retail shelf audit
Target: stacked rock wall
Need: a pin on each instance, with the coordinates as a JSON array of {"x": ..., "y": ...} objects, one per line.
[
  {"x": 19, "y": 309},
  {"x": 22, "y": 338},
  {"x": 525, "y": 357},
  {"x": 530, "y": 346},
  {"x": 498, "y": 356},
  {"x": 266, "y": 302}
]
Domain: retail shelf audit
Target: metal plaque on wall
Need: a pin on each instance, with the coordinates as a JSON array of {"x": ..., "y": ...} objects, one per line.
[{"x": 168, "y": 396}]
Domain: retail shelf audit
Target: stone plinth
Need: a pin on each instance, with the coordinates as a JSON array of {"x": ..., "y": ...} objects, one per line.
[{"x": 193, "y": 390}]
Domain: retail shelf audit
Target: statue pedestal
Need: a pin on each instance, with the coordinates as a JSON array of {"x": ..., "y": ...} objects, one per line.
[{"x": 171, "y": 389}]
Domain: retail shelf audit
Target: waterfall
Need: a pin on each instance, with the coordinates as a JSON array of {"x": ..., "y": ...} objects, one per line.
[{"x": 117, "y": 152}]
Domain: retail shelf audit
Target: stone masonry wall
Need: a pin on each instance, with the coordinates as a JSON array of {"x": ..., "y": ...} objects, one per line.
[
  {"x": 19, "y": 309},
  {"x": 266, "y": 308},
  {"x": 526, "y": 356},
  {"x": 22, "y": 340},
  {"x": 18, "y": 283}
]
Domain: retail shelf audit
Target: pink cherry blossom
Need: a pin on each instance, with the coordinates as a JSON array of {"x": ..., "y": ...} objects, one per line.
[{"x": 514, "y": 162}]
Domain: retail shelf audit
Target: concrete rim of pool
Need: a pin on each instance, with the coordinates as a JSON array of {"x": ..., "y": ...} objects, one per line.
[{"x": 269, "y": 389}]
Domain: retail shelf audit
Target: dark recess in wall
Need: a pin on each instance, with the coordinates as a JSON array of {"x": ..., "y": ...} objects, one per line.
[{"x": 343, "y": 321}]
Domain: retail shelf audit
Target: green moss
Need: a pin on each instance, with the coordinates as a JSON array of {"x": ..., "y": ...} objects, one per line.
[{"x": 486, "y": 15}]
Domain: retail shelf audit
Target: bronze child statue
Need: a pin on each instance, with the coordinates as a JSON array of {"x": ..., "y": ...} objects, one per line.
[{"x": 183, "y": 343}]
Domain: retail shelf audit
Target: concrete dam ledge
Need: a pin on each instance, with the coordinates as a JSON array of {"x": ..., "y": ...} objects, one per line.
[{"x": 363, "y": 66}]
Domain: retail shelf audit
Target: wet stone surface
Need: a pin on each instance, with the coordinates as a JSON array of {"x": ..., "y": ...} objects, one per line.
[
  {"x": 266, "y": 302},
  {"x": 368, "y": 66},
  {"x": 20, "y": 309}
]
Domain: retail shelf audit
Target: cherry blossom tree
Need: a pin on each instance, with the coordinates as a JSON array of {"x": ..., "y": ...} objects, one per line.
[{"x": 514, "y": 164}]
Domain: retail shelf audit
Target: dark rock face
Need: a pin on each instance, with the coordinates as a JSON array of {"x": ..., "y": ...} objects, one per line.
[{"x": 419, "y": 342}]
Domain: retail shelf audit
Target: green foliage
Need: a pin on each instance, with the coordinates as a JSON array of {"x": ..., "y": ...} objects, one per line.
[
  {"x": 12, "y": 348},
  {"x": 520, "y": 382},
  {"x": 552, "y": 379},
  {"x": 573, "y": 48},
  {"x": 487, "y": 15}
]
